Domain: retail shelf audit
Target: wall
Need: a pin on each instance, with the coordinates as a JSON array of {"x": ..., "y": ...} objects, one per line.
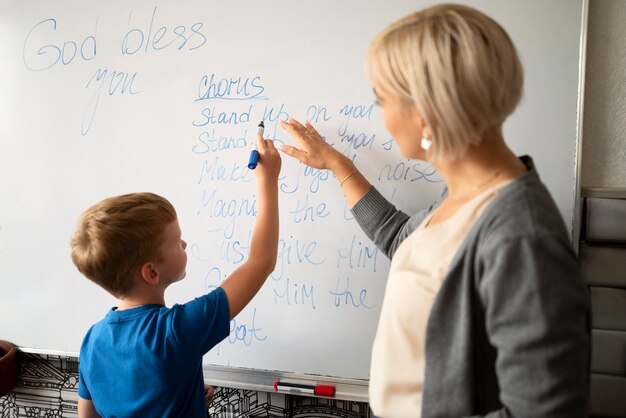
[
  {"x": 603, "y": 165},
  {"x": 604, "y": 130}
]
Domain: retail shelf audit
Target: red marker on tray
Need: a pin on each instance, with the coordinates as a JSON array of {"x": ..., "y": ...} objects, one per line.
[{"x": 319, "y": 390}]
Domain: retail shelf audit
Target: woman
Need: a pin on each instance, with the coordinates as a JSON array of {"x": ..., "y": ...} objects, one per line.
[{"x": 485, "y": 310}]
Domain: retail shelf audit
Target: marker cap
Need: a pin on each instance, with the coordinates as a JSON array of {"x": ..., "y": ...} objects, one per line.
[
  {"x": 324, "y": 390},
  {"x": 254, "y": 159},
  {"x": 318, "y": 390}
]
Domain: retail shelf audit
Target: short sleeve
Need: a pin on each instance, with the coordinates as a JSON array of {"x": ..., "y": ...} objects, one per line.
[
  {"x": 202, "y": 323},
  {"x": 83, "y": 391}
]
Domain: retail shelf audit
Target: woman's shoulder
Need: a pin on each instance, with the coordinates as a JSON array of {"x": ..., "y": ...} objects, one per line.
[{"x": 523, "y": 209}]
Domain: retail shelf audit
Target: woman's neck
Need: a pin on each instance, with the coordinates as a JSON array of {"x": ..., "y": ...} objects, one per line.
[{"x": 480, "y": 167}]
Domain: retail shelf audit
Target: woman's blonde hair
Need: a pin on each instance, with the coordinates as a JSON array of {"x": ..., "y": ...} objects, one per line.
[
  {"x": 117, "y": 235},
  {"x": 457, "y": 66}
]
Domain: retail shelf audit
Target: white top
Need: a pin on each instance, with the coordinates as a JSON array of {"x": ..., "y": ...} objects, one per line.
[{"x": 417, "y": 270}]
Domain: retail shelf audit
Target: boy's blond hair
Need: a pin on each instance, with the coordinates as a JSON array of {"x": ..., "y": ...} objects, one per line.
[
  {"x": 457, "y": 66},
  {"x": 117, "y": 235}
]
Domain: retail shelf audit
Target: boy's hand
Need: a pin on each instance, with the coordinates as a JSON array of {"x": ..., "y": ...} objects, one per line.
[
  {"x": 209, "y": 391},
  {"x": 268, "y": 168}
]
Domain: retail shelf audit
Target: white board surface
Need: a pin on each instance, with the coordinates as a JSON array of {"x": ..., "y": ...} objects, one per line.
[{"x": 104, "y": 98}]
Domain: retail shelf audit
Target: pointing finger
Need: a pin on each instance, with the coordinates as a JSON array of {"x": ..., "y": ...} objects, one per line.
[
  {"x": 294, "y": 132},
  {"x": 298, "y": 127},
  {"x": 297, "y": 124}
]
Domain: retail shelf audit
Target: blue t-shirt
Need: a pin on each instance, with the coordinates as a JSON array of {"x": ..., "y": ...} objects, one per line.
[{"x": 147, "y": 361}]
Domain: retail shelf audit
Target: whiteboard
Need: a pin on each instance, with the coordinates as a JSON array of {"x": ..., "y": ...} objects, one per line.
[{"x": 105, "y": 98}]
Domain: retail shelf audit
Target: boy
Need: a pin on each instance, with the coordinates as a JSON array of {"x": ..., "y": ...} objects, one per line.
[{"x": 144, "y": 359}]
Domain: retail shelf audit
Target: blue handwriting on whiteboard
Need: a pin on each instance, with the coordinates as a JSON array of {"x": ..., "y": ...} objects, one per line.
[
  {"x": 272, "y": 116},
  {"x": 213, "y": 170},
  {"x": 410, "y": 171},
  {"x": 355, "y": 141},
  {"x": 150, "y": 38},
  {"x": 298, "y": 294},
  {"x": 344, "y": 297},
  {"x": 213, "y": 279},
  {"x": 231, "y": 250},
  {"x": 117, "y": 81},
  {"x": 235, "y": 251},
  {"x": 354, "y": 112},
  {"x": 347, "y": 214},
  {"x": 209, "y": 116},
  {"x": 355, "y": 254},
  {"x": 43, "y": 57},
  {"x": 317, "y": 175},
  {"x": 212, "y": 142},
  {"x": 230, "y": 88},
  {"x": 215, "y": 207},
  {"x": 314, "y": 113},
  {"x": 245, "y": 333},
  {"x": 206, "y": 252},
  {"x": 388, "y": 145},
  {"x": 306, "y": 212},
  {"x": 291, "y": 184},
  {"x": 292, "y": 251}
]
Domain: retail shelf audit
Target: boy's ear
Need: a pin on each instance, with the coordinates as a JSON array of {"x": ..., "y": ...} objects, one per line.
[{"x": 149, "y": 274}]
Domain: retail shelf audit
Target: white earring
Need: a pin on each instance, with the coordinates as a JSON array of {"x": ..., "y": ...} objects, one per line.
[{"x": 425, "y": 143}]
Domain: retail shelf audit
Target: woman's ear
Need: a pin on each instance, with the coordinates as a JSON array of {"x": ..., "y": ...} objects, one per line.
[
  {"x": 149, "y": 273},
  {"x": 420, "y": 122}
]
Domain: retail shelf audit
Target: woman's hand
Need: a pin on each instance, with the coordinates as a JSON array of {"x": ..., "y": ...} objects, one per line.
[{"x": 314, "y": 151}]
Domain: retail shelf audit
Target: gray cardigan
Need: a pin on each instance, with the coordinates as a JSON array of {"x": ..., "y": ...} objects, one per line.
[{"x": 508, "y": 334}]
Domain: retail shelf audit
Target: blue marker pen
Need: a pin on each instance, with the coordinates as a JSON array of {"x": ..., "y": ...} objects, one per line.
[{"x": 254, "y": 154}]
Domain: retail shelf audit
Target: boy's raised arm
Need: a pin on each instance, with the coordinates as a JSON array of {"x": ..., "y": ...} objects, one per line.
[{"x": 245, "y": 281}]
